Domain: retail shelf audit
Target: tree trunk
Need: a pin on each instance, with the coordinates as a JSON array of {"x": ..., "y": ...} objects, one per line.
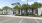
[
  {"x": 16, "y": 11},
  {"x": 25, "y": 12},
  {"x": 6, "y": 12},
  {"x": 34, "y": 11}
]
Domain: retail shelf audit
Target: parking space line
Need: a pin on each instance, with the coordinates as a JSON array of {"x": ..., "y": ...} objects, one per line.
[
  {"x": 6, "y": 20},
  {"x": 21, "y": 20},
  {"x": 36, "y": 20}
]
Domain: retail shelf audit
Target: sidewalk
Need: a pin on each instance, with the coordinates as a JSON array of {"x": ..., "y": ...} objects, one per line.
[{"x": 22, "y": 17}]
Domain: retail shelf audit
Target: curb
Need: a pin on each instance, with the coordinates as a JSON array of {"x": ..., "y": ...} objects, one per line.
[{"x": 22, "y": 17}]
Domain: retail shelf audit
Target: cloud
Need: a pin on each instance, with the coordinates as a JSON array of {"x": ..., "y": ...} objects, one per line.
[
  {"x": 23, "y": 0},
  {"x": 38, "y": 1},
  {"x": 2, "y": 4},
  {"x": 30, "y": 3}
]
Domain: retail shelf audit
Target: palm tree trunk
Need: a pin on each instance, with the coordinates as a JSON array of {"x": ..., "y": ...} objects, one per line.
[
  {"x": 16, "y": 12},
  {"x": 34, "y": 11},
  {"x": 25, "y": 12},
  {"x": 6, "y": 12}
]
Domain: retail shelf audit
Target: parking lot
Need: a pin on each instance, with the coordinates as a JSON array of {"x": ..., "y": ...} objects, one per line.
[{"x": 4, "y": 19}]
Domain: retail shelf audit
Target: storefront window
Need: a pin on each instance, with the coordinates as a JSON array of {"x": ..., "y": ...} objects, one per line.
[
  {"x": 22, "y": 11},
  {"x": 29, "y": 11}
]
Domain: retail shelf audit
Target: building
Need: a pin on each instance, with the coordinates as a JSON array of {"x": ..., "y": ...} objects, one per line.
[
  {"x": 21, "y": 11},
  {"x": 8, "y": 12},
  {"x": 40, "y": 11}
]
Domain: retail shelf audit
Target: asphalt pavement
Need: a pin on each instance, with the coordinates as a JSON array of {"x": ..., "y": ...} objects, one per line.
[{"x": 4, "y": 19}]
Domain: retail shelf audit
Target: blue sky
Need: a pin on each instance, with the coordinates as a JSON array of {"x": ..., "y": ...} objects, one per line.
[{"x": 9, "y": 2}]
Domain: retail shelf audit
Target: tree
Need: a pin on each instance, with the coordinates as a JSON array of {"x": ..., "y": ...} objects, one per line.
[
  {"x": 17, "y": 7},
  {"x": 1, "y": 10},
  {"x": 25, "y": 7},
  {"x": 35, "y": 6},
  {"x": 6, "y": 8}
]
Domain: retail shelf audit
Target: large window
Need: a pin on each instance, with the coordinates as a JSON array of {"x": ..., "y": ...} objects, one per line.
[
  {"x": 22, "y": 11},
  {"x": 29, "y": 11}
]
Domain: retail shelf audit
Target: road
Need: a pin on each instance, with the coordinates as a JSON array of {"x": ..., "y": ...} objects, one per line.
[{"x": 4, "y": 19}]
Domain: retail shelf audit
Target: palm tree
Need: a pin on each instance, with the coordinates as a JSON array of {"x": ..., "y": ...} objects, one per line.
[
  {"x": 24, "y": 6},
  {"x": 5, "y": 8},
  {"x": 35, "y": 6},
  {"x": 17, "y": 7}
]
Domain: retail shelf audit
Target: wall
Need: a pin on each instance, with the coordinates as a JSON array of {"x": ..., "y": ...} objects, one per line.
[
  {"x": 1, "y": 12},
  {"x": 10, "y": 12},
  {"x": 39, "y": 11},
  {"x": 4, "y": 12}
]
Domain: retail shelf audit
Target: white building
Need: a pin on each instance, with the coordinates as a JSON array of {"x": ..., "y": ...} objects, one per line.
[
  {"x": 14, "y": 12},
  {"x": 39, "y": 11},
  {"x": 8, "y": 12}
]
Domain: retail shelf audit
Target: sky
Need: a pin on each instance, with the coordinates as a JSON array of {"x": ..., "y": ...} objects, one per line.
[{"x": 9, "y": 2}]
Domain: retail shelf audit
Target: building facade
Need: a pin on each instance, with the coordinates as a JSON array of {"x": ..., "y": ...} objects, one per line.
[{"x": 21, "y": 11}]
